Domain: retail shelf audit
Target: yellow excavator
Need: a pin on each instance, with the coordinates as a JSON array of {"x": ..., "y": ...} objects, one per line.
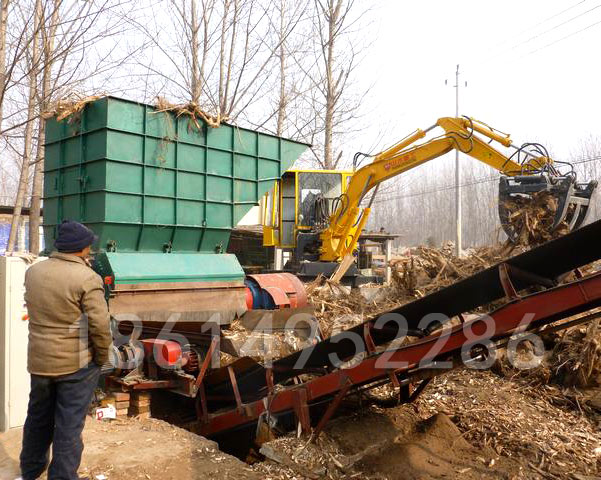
[{"x": 318, "y": 215}]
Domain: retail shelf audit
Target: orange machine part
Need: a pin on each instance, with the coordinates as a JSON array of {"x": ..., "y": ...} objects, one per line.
[
  {"x": 286, "y": 289},
  {"x": 249, "y": 299}
]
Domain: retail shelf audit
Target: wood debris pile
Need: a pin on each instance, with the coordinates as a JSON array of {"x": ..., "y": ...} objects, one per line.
[
  {"x": 532, "y": 218},
  {"x": 551, "y": 430},
  {"x": 572, "y": 359},
  {"x": 74, "y": 104},
  {"x": 260, "y": 345},
  {"x": 518, "y": 420},
  {"x": 474, "y": 424},
  {"x": 423, "y": 270},
  {"x": 291, "y": 457},
  {"x": 70, "y": 106},
  {"x": 577, "y": 356},
  {"x": 339, "y": 308},
  {"x": 389, "y": 444},
  {"x": 418, "y": 272},
  {"x": 190, "y": 110}
]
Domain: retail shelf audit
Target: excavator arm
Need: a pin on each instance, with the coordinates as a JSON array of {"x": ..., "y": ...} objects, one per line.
[{"x": 534, "y": 173}]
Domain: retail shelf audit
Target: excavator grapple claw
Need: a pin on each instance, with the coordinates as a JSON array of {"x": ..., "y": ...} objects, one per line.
[{"x": 557, "y": 202}]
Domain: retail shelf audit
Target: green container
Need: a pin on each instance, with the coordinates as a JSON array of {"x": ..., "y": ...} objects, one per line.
[
  {"x": 148, "y": 181},
  {"x": 158, "y": 268}
]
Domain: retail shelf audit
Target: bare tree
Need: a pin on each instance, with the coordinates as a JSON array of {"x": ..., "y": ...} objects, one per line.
[
  {"x": 290, "y": 51},
  {"x": 334, "y": 18},
  {"x": 337, "y": 58},
  {"x": 5, "y": 173},
  {"x": 20, "y": 31},
  {"x": 291, "y": 26},
  {"x": 219, "y": 56},
  {"x": 31, "y": 115},
  {"x": 50, "y": 56},
  {"x": 4, "y": 5},
  {"x": 586, "y": 158},
  {"x": 48, "y": 33},
  {"x": 195, "y": 50},
  {"x": 283, "y": 100}
]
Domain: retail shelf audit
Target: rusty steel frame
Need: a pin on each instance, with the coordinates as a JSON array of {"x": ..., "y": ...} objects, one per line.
[
  {"x": 207, "y": 361},
  {"x": 545, "y": 307},
  {"x": 332, "y": 407}
]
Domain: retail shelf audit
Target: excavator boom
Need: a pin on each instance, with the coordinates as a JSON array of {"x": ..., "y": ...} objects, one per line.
[{"x": 524, "y": 175}]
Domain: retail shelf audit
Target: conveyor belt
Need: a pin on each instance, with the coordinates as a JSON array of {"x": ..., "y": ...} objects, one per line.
[
  {"x": 412, "y": 362},
  {"x": 544, "y": 264}
]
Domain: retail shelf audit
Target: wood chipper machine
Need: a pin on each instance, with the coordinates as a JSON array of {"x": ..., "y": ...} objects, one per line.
[
  {"x": 163, "y": 196},
  {"x": 163, "y": 191}
]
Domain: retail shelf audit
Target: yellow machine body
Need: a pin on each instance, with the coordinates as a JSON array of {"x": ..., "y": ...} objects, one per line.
[
  {"x": 283, "y": 216},
  {"x": 338, "y": 236}
]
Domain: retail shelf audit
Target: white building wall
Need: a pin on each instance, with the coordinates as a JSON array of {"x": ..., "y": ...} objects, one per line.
[{"x": 14, "y": 379}]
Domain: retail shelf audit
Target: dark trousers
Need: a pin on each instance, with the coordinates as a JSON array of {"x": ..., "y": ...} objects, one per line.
[{"x": 56, "y": 415}]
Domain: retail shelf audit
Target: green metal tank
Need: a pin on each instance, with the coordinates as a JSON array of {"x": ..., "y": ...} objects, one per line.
[
  {"x": 146, "y": 181},
  {"x": 162, "y": 194}
]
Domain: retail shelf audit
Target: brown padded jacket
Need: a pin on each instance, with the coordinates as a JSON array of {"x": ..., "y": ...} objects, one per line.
[{"x": 61, "y": 293}]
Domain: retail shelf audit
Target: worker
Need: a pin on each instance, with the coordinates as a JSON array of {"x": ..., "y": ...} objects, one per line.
[{"x": 69, "y": 340}]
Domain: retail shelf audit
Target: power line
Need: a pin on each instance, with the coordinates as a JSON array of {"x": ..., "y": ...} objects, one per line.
[
  {"x": 519, "y": 44},
  {"x": 556, "y": 26},
  {"x": 529, "y": 29},
  {"x": 553, "y": 16},
  {"x": 438, "y": 189},
  {"x": 586, "y": 160},
  {"x": 563, "y": 38}
]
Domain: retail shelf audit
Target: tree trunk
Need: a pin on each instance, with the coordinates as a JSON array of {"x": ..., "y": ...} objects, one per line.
[
  {"x": 221, "y": 106},
  {"x": 207, "y": 11},
  {"x": 332, "y": 14},
  {"x": 48, "y": 34},
  {"x": 27, "y": 142},
  {"x": 194, "y": 26},
  {"x": 3, "y": 25},
  {"x": 225, "y": 112},
  {"x": 36, "y": 192},
  {"x": 283, "y": 101}
]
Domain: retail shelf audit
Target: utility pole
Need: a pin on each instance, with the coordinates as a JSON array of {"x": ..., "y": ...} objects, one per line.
[
  {"x": 458, "y": 242},
  {"x": 457, "y": 176}
]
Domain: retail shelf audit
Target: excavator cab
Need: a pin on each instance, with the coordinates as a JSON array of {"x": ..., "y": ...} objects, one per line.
[{"x": 544, "y": 197}]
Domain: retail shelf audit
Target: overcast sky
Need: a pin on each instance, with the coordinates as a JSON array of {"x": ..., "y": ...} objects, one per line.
[{"x": 523, "y": 76}]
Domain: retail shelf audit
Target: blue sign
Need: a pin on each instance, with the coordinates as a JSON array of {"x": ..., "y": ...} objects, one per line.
[{"x": 5, "y": 232}]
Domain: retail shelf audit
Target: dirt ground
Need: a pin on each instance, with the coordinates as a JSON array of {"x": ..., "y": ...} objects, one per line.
[
  {"x": 468, "y": 424},
  {"x": 392, "y": 444},
  {"x": 139, "y": 449}
]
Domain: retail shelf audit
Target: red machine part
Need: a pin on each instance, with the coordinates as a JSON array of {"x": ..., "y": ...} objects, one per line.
[
  {"x": 540, "y": 309},
  {"x": 165, "y": 353},
  {"x": 249, "y": 299},
  {"x": 286, "y": 289}
]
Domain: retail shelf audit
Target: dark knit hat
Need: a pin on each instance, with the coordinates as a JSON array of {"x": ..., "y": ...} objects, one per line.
[{"x": 73, "y": 237}]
